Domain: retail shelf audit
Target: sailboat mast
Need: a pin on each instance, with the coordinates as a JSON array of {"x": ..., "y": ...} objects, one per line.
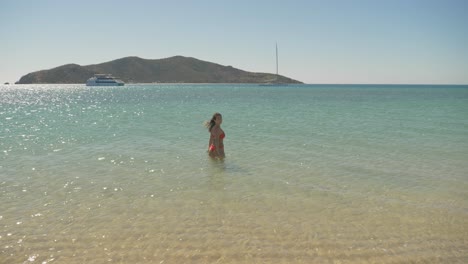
[{"x": 276, "y": 58}]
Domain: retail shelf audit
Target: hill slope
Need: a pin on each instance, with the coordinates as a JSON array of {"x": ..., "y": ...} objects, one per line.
[{"x": 176, "y": 69}]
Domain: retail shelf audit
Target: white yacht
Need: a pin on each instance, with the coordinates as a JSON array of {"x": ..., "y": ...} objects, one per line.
[{"x": 104, "y": 80}]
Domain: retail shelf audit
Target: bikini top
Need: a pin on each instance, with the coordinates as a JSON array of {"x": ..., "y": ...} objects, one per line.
[{"x": 221, "y": 136}]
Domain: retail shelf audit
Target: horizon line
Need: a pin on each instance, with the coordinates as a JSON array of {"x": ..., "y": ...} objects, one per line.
[{"x": 286, "y": 84}]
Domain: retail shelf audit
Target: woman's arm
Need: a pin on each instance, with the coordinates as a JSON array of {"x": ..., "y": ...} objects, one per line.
[
  {"x": 215, "y": 140},
  {"x": 210, "y": 142}
]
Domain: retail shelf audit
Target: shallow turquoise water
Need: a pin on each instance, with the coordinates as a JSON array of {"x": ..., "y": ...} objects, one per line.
[{"x": 314, "y": 173}]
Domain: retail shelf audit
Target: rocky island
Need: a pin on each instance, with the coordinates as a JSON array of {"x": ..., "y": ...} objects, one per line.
[{"x": 177, "y": 69}]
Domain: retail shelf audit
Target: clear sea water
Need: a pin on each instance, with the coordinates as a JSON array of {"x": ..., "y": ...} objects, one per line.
[{"x": 313, "y": 174}]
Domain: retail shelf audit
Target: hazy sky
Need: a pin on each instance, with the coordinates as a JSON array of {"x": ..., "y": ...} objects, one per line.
[{"x": 374, "y": 41}]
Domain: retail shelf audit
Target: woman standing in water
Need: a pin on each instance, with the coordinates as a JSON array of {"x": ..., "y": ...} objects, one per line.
[{"x": 215, "y": 145}]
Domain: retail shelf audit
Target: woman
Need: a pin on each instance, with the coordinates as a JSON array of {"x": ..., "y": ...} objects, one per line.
[{"x": 215, "y": 145}]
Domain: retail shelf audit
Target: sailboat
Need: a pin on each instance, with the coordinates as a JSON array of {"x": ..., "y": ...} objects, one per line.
[{"x": 276, "y": 82}]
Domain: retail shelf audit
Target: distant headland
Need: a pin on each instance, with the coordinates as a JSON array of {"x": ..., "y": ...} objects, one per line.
[{"x": 177, "y": 69}]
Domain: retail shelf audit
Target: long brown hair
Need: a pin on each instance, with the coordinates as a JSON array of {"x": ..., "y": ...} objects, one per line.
[{"x": 212, "y": 122}]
